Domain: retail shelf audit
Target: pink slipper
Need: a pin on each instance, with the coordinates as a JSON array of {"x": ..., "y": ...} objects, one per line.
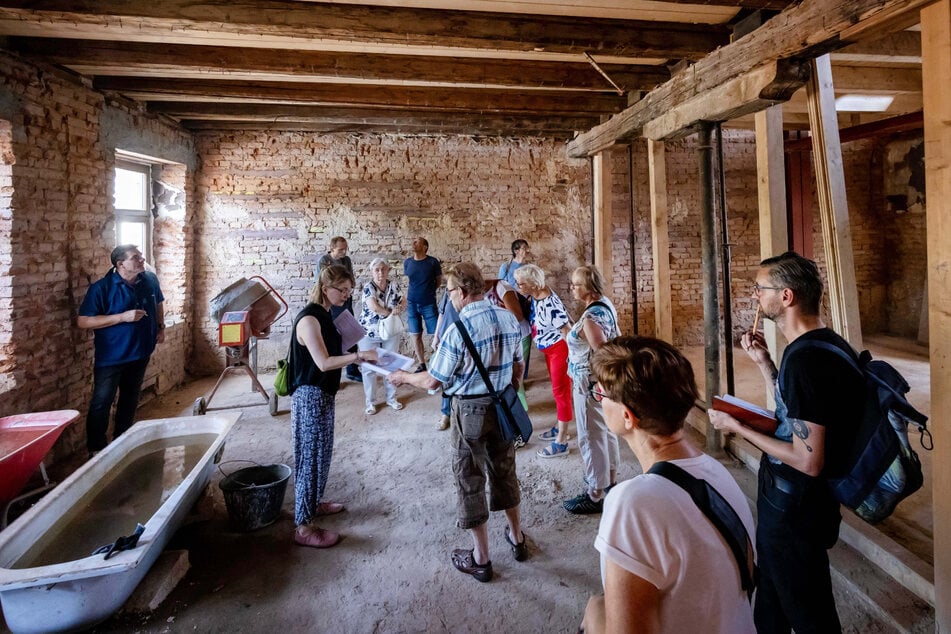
[
  {"x": 316, "y": 538},
  {"x": 329, "y": 508}
]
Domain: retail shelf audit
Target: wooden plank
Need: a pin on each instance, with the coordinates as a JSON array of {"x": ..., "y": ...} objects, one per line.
[
  {"x": 833, "y": 206},
  {"x": 324, "y": 26},
  {"x": 771, "y": 196},
  {"x": 176, "y": 60},
  {"x": 936, "y": 69},
  {"x": 739, "y": 96},
  {"x": 810, "y": 28},
  {"x": 503, "y": 100},
  {"x": 603, "y": 175},
  {"x": 660, "y": 240},
  {"x": 883, "y": 128},
  {"x": 411, "y": 126},
  {"x": 903, "y": 46},
  {"x": 875, "y": 80}
]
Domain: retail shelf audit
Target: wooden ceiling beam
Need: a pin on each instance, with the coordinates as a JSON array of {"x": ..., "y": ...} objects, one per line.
[
  {"x": 873, "y": 80},
  {"x": 429, "y": 98},
  {"x": 474, "y": 128},
  {"x": 175, "y": 60},
  {"x": 301, "y": 25},
  {"x": 811, "y": 28},
  {"x": 768, "y": 85},
  {"x": 278, "y": 112},
  {"x": 903, "y": 47}
]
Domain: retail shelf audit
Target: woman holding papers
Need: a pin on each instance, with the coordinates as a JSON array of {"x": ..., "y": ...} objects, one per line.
[
  {"x": 316, "y": 356},
  {"x": 381, "y": 298},
  {"x": 598, "y": 446}
]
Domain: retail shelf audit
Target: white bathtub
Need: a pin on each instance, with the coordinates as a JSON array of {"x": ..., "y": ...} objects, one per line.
[{"x": 49, "y": 581}]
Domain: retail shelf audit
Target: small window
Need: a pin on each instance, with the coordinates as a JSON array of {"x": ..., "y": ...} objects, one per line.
[{"x": 133, "y": 206}]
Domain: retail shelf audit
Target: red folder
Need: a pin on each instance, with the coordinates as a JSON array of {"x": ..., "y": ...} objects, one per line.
[{"x": 762, "y": 420}]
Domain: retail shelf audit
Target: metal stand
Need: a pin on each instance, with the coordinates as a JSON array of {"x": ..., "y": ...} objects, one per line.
[{"x": 238, "y": 359}]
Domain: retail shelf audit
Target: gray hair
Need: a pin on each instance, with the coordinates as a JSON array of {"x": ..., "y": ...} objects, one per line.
[
  {"x": 530, "y": 273},
  {"x": 375, "y": 262}
]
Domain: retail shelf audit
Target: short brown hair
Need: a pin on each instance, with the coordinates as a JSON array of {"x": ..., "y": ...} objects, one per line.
[
  {"x": 468, "y": 276},
  {"x": 650, "y": 377}
]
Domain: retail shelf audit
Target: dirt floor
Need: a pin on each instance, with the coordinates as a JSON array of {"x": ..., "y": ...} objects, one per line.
[{"x": 392, "y": 572}]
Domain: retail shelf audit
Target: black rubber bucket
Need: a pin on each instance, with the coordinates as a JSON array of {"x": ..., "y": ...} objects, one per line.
[{"x": 254, "y": 495}]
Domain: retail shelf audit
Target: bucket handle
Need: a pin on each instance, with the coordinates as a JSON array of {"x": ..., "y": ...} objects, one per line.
[
  {"x": 244, "y": 484},
  {"x": 221, "y": 464}
]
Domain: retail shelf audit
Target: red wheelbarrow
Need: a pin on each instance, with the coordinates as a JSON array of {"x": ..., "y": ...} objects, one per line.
[{"x": 25, "y": 439}]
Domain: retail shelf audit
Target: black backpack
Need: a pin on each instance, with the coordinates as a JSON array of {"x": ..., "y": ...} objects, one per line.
[{"x": 883, "y": 468}]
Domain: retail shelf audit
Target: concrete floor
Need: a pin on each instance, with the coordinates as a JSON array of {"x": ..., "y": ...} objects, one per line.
[{"x": 392, "y": 571}]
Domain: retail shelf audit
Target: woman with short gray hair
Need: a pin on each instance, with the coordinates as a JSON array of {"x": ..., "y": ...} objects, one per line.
[{"x": 381, "y": 298}]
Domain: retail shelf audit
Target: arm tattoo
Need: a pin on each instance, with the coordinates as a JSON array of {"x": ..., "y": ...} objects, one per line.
[{"x": 799, "y": 429}]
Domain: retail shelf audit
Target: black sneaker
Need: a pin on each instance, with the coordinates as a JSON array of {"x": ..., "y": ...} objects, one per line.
[
  {"x": 582, "y": 504},
  {"x": 420, "y": 368},
  {"x": 464, "y": 561}
]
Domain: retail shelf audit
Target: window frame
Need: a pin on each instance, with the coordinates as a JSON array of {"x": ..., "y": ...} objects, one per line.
[{"x": 136, "y": 215}]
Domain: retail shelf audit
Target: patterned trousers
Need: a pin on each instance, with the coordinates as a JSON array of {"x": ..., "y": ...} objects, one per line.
[{"x": 312, "y": 418}]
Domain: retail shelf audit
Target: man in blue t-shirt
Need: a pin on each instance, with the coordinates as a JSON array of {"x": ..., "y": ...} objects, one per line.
[
  {"x": 425, "y": 276},
  {"x": 125, "y": 310}
]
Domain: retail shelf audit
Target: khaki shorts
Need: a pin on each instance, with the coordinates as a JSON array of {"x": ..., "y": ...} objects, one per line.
[{"x": 481, "y": 454}]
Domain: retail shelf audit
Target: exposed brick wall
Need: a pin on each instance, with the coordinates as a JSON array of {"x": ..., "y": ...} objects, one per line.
[
  {"x": 56, "y": 203},
  {"x": 271, "y": 202}
]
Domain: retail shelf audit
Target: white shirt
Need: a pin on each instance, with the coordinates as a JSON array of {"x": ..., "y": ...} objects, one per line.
[{"x": 651, "y": 528}]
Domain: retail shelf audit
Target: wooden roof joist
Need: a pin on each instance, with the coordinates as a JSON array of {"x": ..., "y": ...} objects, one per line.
[
  {"x": 311, "y": 25},
  {"x": 180, "y": 60},
  {"x": 433, "y": 98},
  {"x": 803, "y": 32}
]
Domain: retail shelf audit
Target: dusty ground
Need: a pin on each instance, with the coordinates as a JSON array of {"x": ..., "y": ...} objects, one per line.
[{"x": 392, "y": 571}]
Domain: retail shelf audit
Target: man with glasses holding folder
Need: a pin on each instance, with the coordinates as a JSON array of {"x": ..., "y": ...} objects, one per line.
[{"x": 125, "y": 310}]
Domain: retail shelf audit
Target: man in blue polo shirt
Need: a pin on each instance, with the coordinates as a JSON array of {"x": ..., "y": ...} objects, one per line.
[{"x": 125, "y": 311}]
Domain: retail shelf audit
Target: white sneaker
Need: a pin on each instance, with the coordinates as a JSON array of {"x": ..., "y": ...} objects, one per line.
[{"x": 371, "y": 409}]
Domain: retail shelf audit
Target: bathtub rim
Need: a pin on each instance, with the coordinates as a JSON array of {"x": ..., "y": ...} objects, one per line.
[{"x": 16, "y": 539}]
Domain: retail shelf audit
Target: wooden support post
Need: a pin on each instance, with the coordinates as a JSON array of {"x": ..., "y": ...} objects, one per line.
[
  {"x": 660, "y": 243},
  {"x": 833, "y": 206},
  {"x": 602, "y": 215},
  {"x": 936, "y": 68},
  {"x": 773, "y": 227}
]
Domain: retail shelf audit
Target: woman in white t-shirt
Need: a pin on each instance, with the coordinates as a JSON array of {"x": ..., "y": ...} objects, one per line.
[{"x": 664, "y": 566}]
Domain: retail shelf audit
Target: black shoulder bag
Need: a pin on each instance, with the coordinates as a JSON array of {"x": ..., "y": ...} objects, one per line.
[
  {"x": 721, "y": 514},
  {"x": 513, "y": 419}
]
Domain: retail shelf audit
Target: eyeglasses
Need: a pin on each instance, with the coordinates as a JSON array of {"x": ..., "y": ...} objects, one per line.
[
  {"x": 575, "y": 285},
  {"x": 756, "y": 288},
  {"x": 344, "y": 291},
  {"x": 454, "y": 288},
  {"x": 595, "y": 393}
]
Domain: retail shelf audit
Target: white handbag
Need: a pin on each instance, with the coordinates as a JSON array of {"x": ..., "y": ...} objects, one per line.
[{"x": 391, "y": 326}]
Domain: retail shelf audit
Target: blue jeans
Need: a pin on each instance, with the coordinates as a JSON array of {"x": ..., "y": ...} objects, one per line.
[
  {"x": 416, "y": 313},
  {"x": 125, "y": 378}
]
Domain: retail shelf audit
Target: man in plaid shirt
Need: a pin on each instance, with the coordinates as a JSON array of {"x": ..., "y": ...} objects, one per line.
[{"x": 479, "y": 452}]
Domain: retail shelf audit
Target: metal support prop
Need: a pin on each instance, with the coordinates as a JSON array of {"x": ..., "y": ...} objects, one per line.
[
  {"x": 708, "y": 264},
  {"x": 725, "y": 257},
  {"x": 630, "y": 170}
]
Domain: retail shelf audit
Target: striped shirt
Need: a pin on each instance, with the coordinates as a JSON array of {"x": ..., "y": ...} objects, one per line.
[{"x": 495, "y": 334}]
